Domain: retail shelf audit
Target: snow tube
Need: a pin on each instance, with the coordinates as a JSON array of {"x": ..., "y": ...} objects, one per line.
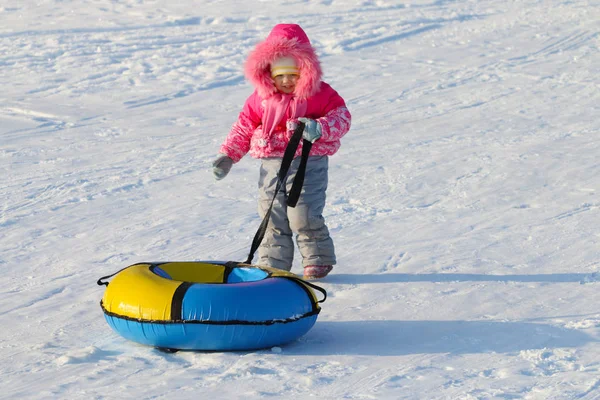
[{"x": 209, "y": 305}]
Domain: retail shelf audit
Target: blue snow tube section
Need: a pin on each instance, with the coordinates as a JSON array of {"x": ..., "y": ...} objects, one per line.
[{"x": 209, "y": 305}]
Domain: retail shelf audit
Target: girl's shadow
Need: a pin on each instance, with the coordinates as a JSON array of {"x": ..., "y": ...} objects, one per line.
[{"x": 436, "y": 278}]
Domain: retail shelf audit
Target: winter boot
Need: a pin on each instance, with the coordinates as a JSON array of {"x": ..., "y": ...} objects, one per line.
[{"x": 316, "y": 271}]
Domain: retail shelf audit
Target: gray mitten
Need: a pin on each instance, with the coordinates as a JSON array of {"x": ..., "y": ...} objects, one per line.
[
  {"x": 222, "y": 166},
  {"x": 312, "y": 129}
]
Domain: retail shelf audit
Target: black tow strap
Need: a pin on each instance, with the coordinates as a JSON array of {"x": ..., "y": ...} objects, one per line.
[
  {"x": 292, "y": 200},
  {"x": 296, "y": 189}
]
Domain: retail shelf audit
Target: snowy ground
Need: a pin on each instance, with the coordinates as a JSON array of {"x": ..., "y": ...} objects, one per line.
[{"x": 464, "y": 202}]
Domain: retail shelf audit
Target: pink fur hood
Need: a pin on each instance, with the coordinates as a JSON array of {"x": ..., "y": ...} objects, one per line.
[{"x": 284, "y": 40}]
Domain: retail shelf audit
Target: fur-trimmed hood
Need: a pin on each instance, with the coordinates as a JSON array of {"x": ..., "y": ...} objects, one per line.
[{"x": 284, "y": 40}]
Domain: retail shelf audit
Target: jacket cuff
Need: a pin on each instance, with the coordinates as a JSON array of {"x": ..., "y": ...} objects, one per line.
[{"x": 235, "y": 156}]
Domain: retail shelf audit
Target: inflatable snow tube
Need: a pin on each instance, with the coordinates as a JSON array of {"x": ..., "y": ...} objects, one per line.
[{"x": 209, "y": 305}]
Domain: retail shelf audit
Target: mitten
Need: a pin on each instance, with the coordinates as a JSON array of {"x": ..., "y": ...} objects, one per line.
[
  {"x": 222, "y": 166},
  {"x": 312, "y": 129}
]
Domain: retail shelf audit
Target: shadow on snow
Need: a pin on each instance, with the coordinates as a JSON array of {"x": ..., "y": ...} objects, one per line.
[
  {"x": 434, "y": 278},
  {"x": 396, "y": 338}
]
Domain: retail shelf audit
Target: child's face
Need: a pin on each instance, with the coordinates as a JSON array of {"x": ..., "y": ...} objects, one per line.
[{"x": 286, "y": 83}]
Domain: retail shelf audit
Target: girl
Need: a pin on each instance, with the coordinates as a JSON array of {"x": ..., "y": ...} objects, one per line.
[{"x": 286, "y": 74}]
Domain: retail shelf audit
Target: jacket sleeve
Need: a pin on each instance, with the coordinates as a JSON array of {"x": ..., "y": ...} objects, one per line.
[
  {"x": 335, "y": 124},
  {"x": 336, "y": 120},
  {"x": 237, "y": 142}
]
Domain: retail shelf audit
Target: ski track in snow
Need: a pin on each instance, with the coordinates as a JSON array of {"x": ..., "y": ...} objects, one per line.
[{"x": 463, "y": 203}]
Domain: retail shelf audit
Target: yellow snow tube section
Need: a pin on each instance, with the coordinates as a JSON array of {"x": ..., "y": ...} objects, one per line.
[{"x": 139, "y": 293}]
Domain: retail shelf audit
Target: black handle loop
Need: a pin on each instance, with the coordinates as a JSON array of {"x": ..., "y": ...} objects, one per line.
[
  {"x": 99, "y": 281},
  {"x": 318, "y": 288},
  {"x": 288, "y": 157},
  {"x": 301, "y": 281}
]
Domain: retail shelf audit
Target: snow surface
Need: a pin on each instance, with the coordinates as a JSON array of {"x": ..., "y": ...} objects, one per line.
[{"x": 463, "y": 203}]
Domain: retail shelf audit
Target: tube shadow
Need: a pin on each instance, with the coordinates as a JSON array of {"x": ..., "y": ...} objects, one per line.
[{"x": 396, "y": 338}]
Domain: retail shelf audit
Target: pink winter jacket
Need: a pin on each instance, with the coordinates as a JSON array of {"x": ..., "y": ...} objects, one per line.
[{"x": 262, "y": 128}]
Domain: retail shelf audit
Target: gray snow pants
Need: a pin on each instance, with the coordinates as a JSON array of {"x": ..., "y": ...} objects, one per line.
[{"x": 305, "y": 220}]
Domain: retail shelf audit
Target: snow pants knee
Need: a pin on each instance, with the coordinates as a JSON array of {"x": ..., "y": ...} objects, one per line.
[{"x": 305, "y": 220}]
